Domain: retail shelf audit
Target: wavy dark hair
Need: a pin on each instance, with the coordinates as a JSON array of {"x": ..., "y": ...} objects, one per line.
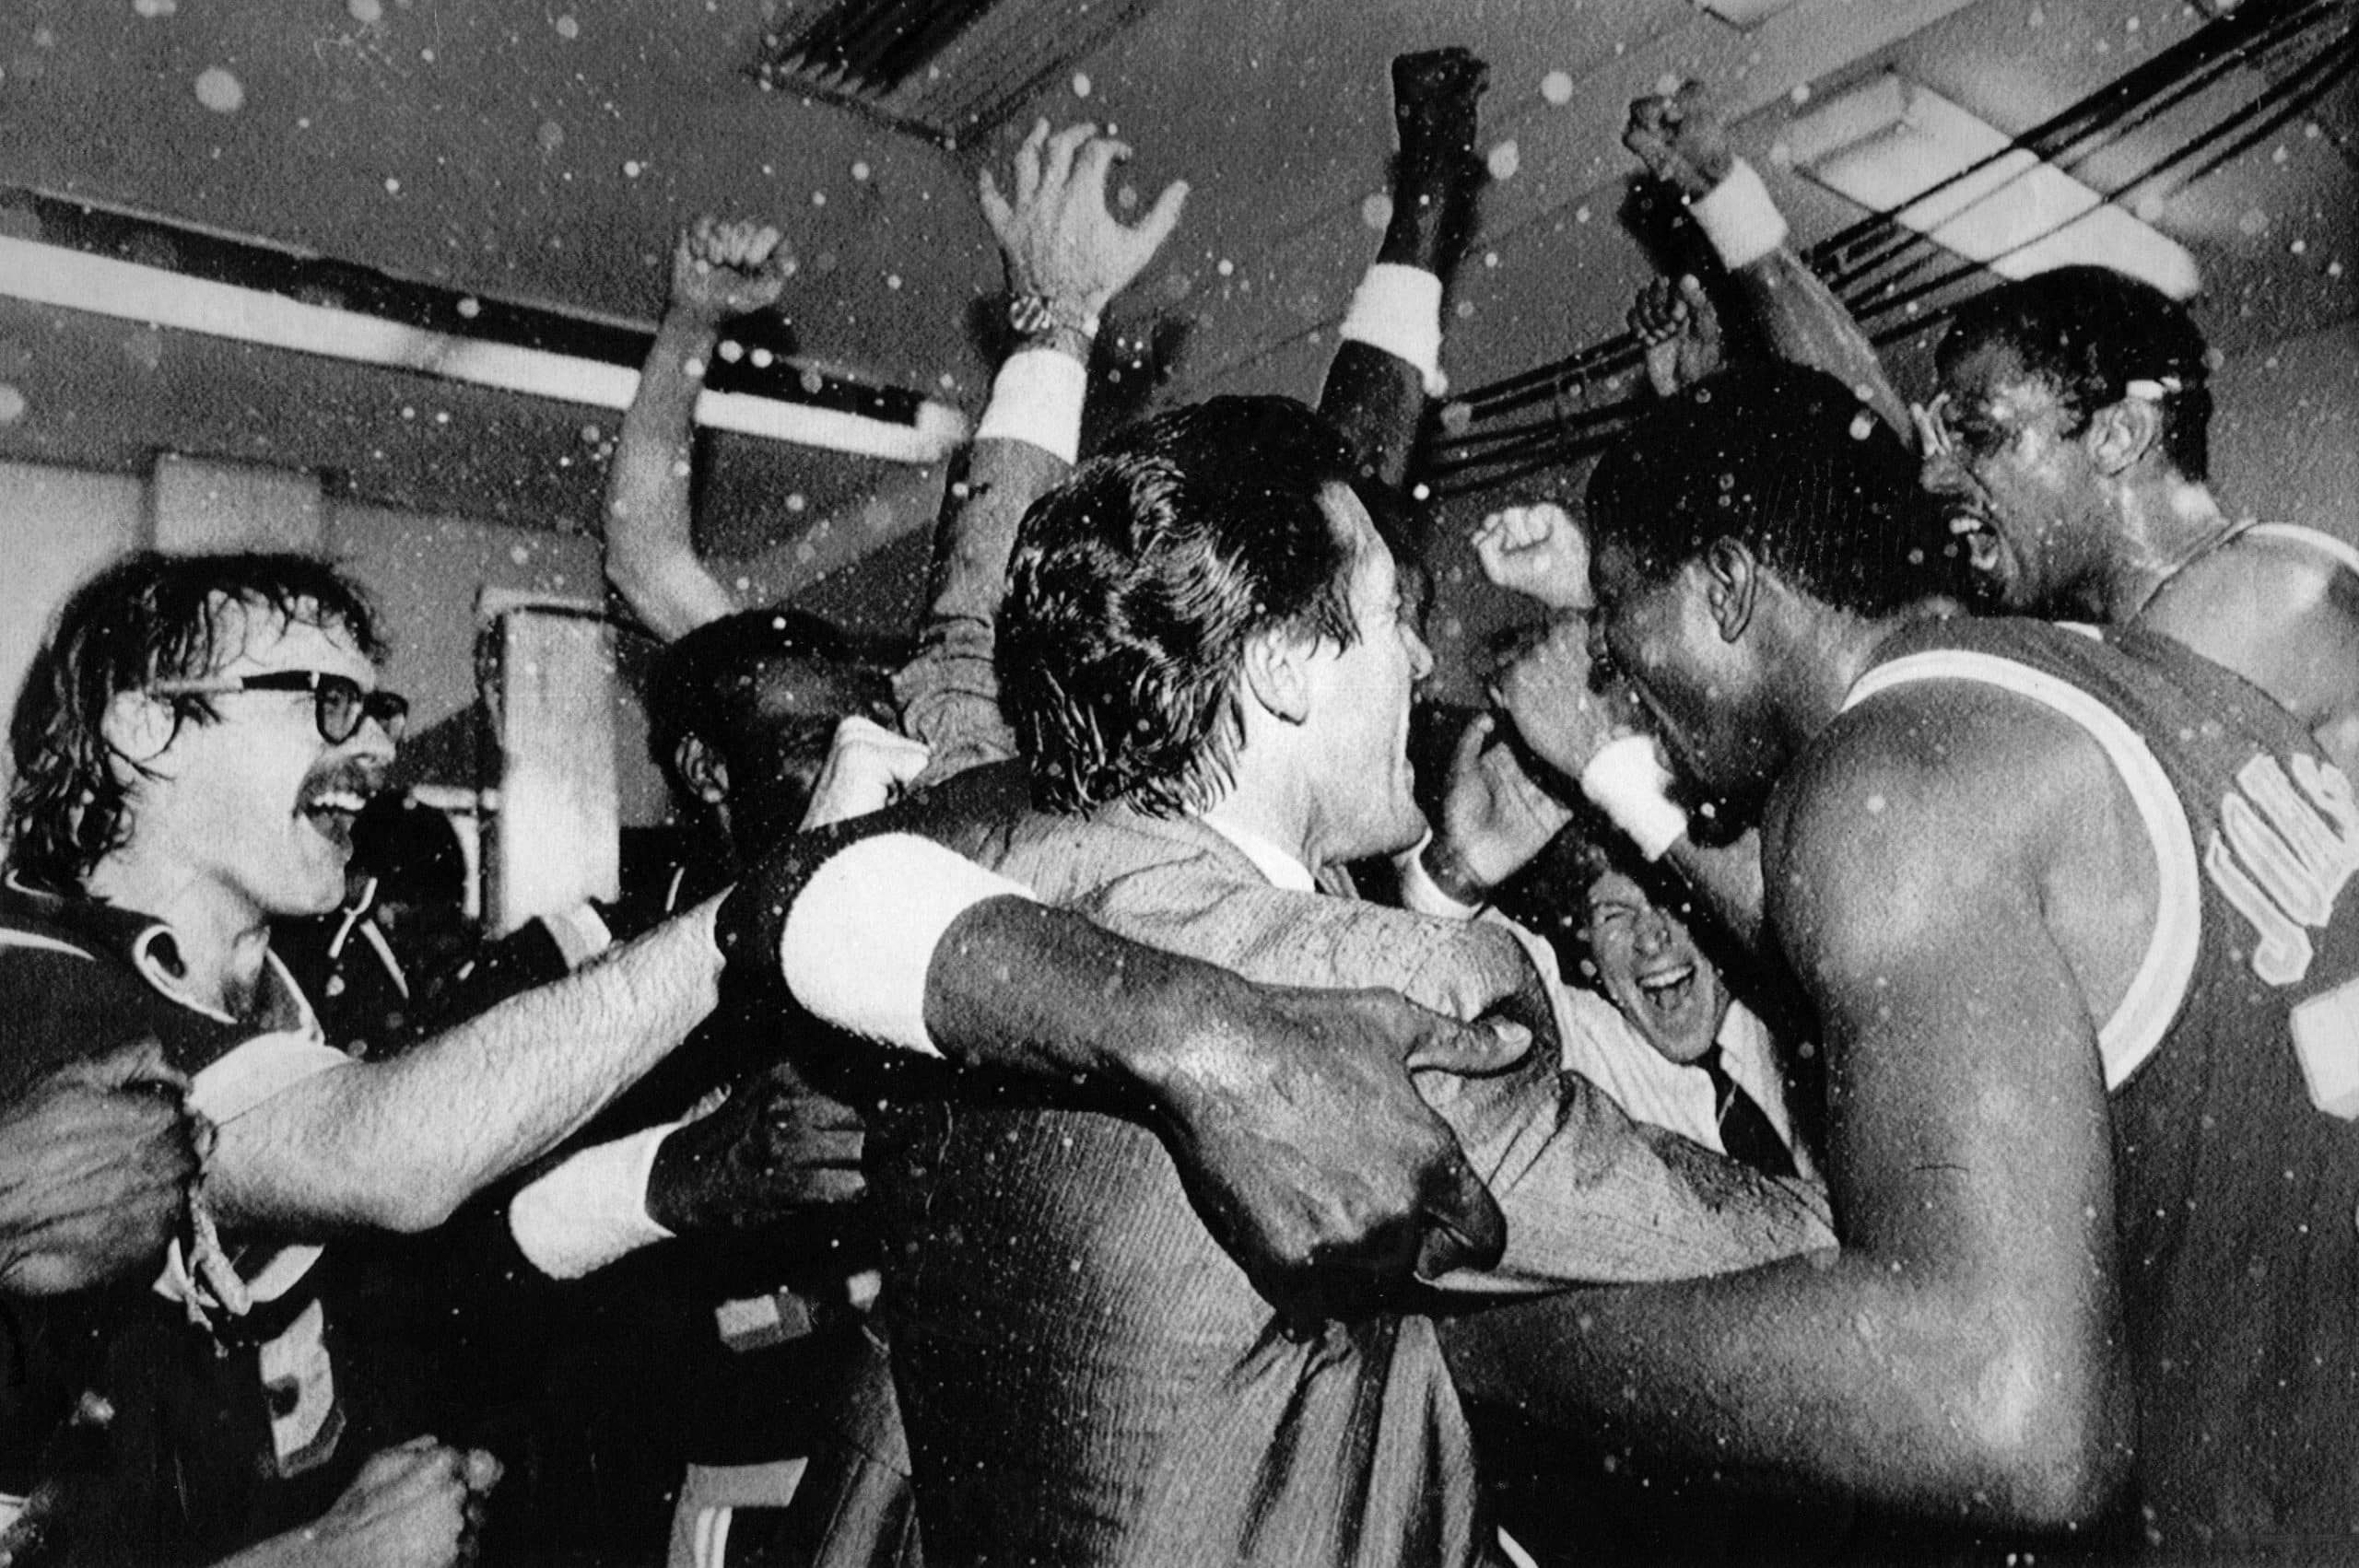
[
  {"x": 2088, "y": 332},
  {"x": 148, "y": 617},
  {"x": 1793, "y": 465},
  {"x": 1137, "y": 583}
]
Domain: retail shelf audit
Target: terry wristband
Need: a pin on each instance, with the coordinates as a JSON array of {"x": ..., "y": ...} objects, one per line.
[
  {"x": 1739, "y": 218},
  {"x": 858, "y": 941},
  {"x": 1036, "y": 397},
  {"x": 591, "y": 1210},
  {"x": 1398, "y": 308},
  {"x": 1627, "y": 782}
]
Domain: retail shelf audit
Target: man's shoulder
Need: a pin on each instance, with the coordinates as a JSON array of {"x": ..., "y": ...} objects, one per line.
[
  {"x": 1176, "y": 884},
  {"x": 2261, "y": 579}
]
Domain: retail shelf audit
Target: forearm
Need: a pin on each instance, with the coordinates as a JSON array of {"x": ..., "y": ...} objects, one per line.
[
  {"x": 1847, "y": 1374},
  {"x": 1800, "y": 318},
  {"x": 948, "y": 692},
  {"x": 401, "y": 1143},
  {"x": 1803, "y": 322},
  {"x": 649, "y": 550}
]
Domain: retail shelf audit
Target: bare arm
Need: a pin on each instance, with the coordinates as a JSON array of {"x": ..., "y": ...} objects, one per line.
[
  {"x": 717, "y": 271},
  {"x": 2284, "y": 619},
  {"x": 1960, "y": 1355},
  {"x": 401, "y": 1143},
  {"x": 1683, "y": 142}
]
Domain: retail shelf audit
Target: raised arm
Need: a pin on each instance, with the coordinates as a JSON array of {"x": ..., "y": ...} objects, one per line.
[
  {"x": 1067, "y": 257},
  {"x": 1388, "y": 364},
  {"x": 1960, "y": 1355},
  {"x": 719, "y": 271},
  {"x": 1683, "y": 142}
]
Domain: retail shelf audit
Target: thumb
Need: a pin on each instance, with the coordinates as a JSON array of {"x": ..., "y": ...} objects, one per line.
[
  {"x": 1479, "y": 1049},
  {"x": 1462, "y": 1227}
]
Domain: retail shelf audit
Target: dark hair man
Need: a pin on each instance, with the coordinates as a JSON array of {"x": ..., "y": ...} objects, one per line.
[
  {"x": 2070, "y": 911},
  {"x": 2069, "y": 443},
  {"x": 1207, "y": 660}
]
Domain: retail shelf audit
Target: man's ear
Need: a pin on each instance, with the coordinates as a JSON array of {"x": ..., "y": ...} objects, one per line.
[
  {"x": 138, "y": 727},
  {"x": 2121, "y": 433},
  {"x": 1277, "y": 672},
  {"x": 1734, "y": 585},
  {"x": 702, "y": 767}
]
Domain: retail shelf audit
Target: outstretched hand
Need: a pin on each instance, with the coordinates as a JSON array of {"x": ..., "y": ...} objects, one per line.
[
  {"x": 1538, "y": 551},
  {"x": 1329, "y": 1178},
  {"x": 725, "y": 270},
  {"x": 1675, "y": 320},
  {"x": 1057, "y": 236},
  {"x": 1681, "y": 139}
]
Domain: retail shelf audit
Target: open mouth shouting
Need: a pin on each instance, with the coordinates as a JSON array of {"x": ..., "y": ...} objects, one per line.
[
  {"x": 1668, "y": 990},
  {"x": 331, "y": 802}
]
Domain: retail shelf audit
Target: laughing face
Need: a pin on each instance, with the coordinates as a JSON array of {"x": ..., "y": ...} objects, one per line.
[
  {"x": 257, "y": 806},
  {"x": 2018, "y": 486},
  {"x": 1651, "y": 970}
]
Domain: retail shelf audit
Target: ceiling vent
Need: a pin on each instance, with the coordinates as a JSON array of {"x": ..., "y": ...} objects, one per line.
[{"x": 947, "y": 70}]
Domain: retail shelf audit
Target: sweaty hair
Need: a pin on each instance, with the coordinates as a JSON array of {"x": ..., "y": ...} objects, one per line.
[
  {"x": 148, "y": 617},
  {"x": 1137, "y": 584},
  {"x": 710, "y": 682},
  {"x": 1793, "y": 465},
  {"x": 2088, "y": 332}
]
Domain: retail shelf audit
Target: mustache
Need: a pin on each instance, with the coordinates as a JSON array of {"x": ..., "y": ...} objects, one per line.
[{"x": 347, "y": 776}]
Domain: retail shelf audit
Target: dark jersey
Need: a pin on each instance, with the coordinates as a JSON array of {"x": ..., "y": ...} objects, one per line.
[
  {"x": 2233, "y": 1068},
  {"x": 218, "y": 1435}
]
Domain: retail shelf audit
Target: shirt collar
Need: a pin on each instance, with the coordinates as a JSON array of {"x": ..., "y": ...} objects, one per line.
[{"x": 1282, "y": 869}]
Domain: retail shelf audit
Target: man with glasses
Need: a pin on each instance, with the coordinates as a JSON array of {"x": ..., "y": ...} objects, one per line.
[{"x": 192, "y": 744}]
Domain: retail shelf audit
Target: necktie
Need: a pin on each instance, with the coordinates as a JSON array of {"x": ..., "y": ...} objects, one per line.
[{"x": 1745, "y": 1131}]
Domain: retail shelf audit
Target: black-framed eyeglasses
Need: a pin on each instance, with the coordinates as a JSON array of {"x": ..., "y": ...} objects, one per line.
[{"x": 338, "y": 702}]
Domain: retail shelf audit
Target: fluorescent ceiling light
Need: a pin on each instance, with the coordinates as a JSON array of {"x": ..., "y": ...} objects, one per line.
[
  {"x": 1745, "y": 14},
  {"x": 1889, "y": 142},
  {"x": 54, "y": 275}
]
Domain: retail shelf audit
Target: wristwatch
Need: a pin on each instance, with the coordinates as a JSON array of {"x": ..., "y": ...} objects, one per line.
[{"x": 1036, "y": 315}]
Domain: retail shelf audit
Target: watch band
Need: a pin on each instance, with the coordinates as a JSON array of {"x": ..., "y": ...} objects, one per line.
[{"x": 1036, "y": 315}]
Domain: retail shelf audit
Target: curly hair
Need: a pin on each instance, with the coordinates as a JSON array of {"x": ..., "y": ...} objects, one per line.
[
  {"x": 149, "y": 616},
  {"x": 1790, "y": 462},
  {"x": 1137, "y": 583},
  {"x": 2088, "y": 332}
]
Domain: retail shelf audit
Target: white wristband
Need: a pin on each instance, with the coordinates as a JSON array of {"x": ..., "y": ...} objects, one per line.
[
  {"x": 1627, "y": 782},
  {"x": 1036, "y": 397},
  {"x": 590, "y": 1210},
  {"x": 1420, "y": 894},
  {"x": 1398, "y": 309},
  {"x": 863, "y": 932},
  {"x": 1739, "y": 218}
]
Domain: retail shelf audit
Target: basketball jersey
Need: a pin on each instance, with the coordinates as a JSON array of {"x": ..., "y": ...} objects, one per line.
[{"x": 2232, "y": 1066}]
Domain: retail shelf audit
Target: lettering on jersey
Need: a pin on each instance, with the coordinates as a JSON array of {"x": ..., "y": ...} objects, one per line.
[
  {"x": 2285, "y": 849},
  {"x": 305, "y": 1420}
]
